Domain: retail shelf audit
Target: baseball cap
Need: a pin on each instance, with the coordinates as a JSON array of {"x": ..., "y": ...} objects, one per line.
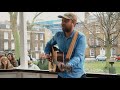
[{"x": 71, "y": 16}]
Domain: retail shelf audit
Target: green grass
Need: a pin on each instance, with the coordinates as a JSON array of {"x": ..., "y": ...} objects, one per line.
[{"x": 97, "y": 66}]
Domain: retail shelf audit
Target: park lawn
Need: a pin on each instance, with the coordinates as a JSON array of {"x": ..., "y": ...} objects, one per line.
[{"x": 97, "y": 66}]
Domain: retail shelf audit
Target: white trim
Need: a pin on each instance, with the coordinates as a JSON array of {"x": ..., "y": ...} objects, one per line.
[{"x": 91, "y": 52}]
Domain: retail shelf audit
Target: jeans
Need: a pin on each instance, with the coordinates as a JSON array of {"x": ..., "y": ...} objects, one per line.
[{"x": 83, "y": 76}]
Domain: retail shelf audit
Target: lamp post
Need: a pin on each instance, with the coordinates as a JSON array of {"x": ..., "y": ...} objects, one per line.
[{"x": 95, "y": 50}]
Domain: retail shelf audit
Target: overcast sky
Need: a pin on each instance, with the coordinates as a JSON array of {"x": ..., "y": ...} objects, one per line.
[{"x": 44, "y": 16}]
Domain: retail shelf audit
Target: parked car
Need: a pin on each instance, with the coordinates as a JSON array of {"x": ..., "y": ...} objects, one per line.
[
  {"x": 117, "y": 57},
  {"x": 101, "y": 58}
]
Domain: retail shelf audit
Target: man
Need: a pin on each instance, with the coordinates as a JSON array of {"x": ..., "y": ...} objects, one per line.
[
  {"x": 32, "y": 66},
  {"x": 63, "y": 40}
]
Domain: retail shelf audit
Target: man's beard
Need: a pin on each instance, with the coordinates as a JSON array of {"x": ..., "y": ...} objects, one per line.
[{"x": 66, "y": 30}]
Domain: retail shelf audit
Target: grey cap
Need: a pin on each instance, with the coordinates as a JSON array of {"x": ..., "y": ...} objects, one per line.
[{"x": 71, "y": 16}]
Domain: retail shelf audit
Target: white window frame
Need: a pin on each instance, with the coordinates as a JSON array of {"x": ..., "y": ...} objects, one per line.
[
  {"x": 97, "y": 42},
  {"x": 90, "y": 41},
  {"x": 41, "y": 46},
  {"x": 112, "y": 51},
  {"x": 7, "y": 26},
  {"x": 36, "y": 36},
  {"x": 5, "y": 35},
  {"x": 36, "y": 47},
  {"x": 12, "y": 45},
  {"x": 12, "y": 36},
  {"x": 41, "y": 36},
  {"x": 6, "y": 45},
  {"x": 91, "y": 52},
  {"x": 102, "y": 51}
]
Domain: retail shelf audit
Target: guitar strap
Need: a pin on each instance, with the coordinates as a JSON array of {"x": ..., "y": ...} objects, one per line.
[{"x": 70, "y": 50}]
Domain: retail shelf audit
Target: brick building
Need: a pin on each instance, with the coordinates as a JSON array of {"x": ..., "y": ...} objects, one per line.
[
  {"x": 37, "y": 39},
  {"x": 95, "y": 46}
]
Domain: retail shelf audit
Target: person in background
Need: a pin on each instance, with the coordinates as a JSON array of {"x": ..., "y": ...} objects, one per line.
[
  {"x": 12, "y": 59},
  {"x": 5, "y": 63},
  {"x": 42, "y": 63},
  {"x": 32, "y": 66}
]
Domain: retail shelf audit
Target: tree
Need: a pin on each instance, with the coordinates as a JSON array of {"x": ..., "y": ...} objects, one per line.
[
  {"x": 30, "y": 27},
  {"x": 13, "y": 27},
  {"x": 16, "y": 36},
  {"x": 109, "y": 23}
]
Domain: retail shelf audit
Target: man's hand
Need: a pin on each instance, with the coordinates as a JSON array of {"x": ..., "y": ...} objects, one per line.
[{"x": 61, "y": 66}]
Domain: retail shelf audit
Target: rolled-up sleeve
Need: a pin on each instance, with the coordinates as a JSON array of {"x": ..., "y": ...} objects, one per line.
[
  {"x": 50, "y": 44},
  {"x": 79, "y": 51}
]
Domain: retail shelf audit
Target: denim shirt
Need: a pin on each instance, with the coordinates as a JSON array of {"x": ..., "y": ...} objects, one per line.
[{"x": 78, "y": 55}]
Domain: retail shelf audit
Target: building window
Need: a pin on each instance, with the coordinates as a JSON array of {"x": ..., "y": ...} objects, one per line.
[
  {"x": 92, "y": 53},
  {"x": 113, "y": 51},
  {"x": 12, "y": 45},
  {"x": 12, "y": 36},
  {"x": 102, "y": 51},
  {"x": 41, "y": 36},
  {"x": 97, "y": 42},
  {"x": 7, "y": 26},
  {"x": 5, "y": 35},
  {"x": 36, "y": 36},
  {"x": 36, "y": 46},
  {"x": 5, "y": 45},
  {"x": 91, "y": 41},
  {"x": 41, "y": 46}
]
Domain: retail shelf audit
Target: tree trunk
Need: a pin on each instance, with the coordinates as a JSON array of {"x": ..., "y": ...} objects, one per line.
[
  {"x": 32, "y": 44},
  {"x": 13, "y": 22},
  {"x": 108, "y": 54},
  {"x": 17, "y": 44}
]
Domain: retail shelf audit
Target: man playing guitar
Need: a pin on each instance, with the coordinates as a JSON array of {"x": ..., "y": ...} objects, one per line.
[{"x": 63, "y": 40}]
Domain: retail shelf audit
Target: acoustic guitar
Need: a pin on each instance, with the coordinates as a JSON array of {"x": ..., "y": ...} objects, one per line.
[{"x": 57, "y": 57}]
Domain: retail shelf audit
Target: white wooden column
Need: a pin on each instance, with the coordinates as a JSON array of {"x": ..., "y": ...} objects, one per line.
[{"x": 23, "y": 41}]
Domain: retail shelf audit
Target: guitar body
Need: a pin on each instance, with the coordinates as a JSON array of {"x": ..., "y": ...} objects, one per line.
[{"x": 56, "y": 55}]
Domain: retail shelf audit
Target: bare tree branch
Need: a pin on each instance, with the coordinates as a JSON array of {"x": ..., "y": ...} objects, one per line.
[
  {"x": 91, "y": 31},
  {"x": 116, "y": 21},
  {"x": 113, "y": 39},
  {"x": 36, "y": 15},
  {"x": 33, "y": 20}
]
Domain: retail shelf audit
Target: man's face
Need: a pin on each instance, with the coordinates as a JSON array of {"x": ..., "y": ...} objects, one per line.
[{"x": 67, "y": 25}]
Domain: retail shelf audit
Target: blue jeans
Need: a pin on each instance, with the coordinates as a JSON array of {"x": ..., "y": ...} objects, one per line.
[{"x": 83, "y": 76}]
